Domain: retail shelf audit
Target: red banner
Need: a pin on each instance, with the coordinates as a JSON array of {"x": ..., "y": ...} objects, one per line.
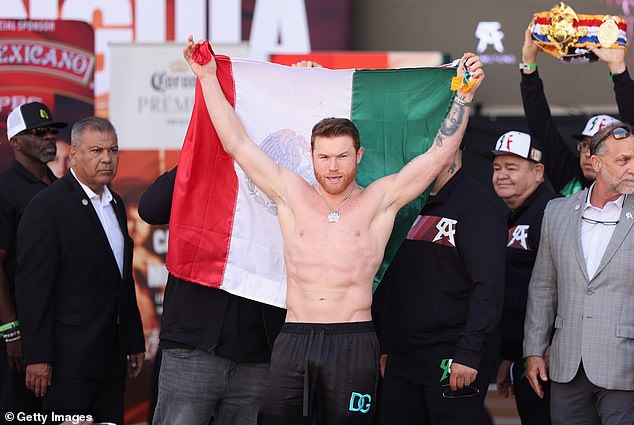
[{"x": 46, "y": 61}]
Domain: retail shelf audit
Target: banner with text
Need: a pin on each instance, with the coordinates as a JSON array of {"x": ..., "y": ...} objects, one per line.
[
  {"x": 300, "y": 26},
  {"x": 51, "y": 62}
]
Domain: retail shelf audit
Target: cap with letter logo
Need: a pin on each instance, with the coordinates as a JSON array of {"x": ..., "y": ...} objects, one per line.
[
  {"x": 595, "y": 124},
  {"x": 518, "y": 144},
  {"x": 29, "y": 116}
]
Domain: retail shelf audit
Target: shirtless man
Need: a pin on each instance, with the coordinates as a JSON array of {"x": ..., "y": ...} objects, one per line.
[{"x": 325, "y": 360}]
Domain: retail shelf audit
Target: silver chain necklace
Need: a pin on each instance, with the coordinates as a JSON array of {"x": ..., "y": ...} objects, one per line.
[{"x": 334, "y": 215}]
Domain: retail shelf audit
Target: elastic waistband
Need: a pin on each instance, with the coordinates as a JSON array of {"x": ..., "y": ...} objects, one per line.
[{"x": 328, "y": 328}]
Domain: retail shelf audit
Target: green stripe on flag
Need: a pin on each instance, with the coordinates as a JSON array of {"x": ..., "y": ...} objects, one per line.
[{"x": 398, "y": 113}]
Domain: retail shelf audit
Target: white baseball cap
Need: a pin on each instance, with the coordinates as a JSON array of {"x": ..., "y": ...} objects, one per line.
[
  {"x": 595, "y": 124},
  {"x": 518, "y": 144}
]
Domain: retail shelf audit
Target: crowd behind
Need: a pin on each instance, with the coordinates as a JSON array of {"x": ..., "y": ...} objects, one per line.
[{"x": 540, "y": 301}]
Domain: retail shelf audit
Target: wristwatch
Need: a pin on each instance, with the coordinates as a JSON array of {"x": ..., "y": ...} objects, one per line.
[{"x": 527, "y": 66}]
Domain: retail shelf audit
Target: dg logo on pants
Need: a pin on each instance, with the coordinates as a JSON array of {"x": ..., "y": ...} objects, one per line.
[{"x": 360, "y": 402}]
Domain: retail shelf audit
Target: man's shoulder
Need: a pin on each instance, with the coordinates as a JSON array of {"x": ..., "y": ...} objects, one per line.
[
  {"x": 6, "y": 185},
  {"x": 474, "y": 196},
  {"x": 53, "y": 195},
  {"x": 545, "y": 191},
  {"x": 539, "y": 199},
  {"x": 472, "y": 188},
  {"x": 6, "y": 174},
  {"x": 7, "y": 179},
  {"x": 565, "y": 203},
  {"x": 116, "y": 196}
]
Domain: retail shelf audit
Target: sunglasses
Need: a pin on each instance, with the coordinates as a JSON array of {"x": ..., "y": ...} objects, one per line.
[
  {"x": 605, "y": 223},
  {"x": 617, "y": 132},
  {"x": 465, "y": 392},
  {"x": 41, "y": 131}
]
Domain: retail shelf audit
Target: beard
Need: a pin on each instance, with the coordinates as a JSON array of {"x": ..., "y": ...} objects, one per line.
[
  {"x": 337, "y": 188},
  {"x": 47, "y": 157},
  {"x": 48, "y": 151},
  {"x": 624, "y": 185}
]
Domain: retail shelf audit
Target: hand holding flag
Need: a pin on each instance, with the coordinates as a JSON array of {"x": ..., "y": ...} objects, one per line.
[
  {"x": 470, "y": 75},
  {"x": 200, "y": 58}
]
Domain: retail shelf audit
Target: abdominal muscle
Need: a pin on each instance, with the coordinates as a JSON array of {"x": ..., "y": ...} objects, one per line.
[
  {"x": 330, "y": 268},
  {"x": 328, "y": 302}
]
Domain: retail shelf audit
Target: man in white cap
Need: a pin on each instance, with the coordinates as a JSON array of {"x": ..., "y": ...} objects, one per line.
[
  {"x": 518, "y": 179},
  {"x": 594, "y": 124},
  {"x": 567, "y": 173},
  {"x": 32, "y": 133}
]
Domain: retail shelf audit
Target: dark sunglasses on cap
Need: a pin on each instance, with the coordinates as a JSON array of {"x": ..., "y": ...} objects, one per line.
[
  {"x": 41, "y": 131},
  {"x": 617, "y": 132}
]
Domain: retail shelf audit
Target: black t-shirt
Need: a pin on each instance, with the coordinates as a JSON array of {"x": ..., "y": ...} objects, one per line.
[
  {"x": 17, "y": 187},
  {"x": 524, "y": 230}
]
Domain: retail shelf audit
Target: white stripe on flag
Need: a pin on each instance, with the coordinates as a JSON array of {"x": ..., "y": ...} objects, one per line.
[{"x": 278, "y": 106}]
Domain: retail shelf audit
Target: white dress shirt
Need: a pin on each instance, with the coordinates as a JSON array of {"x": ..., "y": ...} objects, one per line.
[
  {"x": 596, "y": 236},
  {"x": 108, "y": 219}
]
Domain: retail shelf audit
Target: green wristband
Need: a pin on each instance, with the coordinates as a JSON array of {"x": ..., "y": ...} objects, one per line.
[{"x": 9, "y": 326}]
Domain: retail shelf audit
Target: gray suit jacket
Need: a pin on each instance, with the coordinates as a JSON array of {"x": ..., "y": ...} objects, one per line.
[{"x": 593, "y": 319}]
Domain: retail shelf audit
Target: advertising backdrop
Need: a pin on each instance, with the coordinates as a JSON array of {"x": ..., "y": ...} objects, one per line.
[
  {"x": 122, "y": 59},
  {"x": 299, "y": 27},
  {"x": 45, "y": 61}
]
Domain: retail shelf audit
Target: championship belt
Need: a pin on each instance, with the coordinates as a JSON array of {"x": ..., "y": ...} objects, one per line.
[{"x": 564, "y": 34}]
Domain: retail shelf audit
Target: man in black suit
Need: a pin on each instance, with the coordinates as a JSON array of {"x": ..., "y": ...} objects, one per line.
[{"x": 74, "y": 287}]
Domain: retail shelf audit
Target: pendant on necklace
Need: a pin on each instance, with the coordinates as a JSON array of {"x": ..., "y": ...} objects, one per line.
[{"x": 333, "y": 217}]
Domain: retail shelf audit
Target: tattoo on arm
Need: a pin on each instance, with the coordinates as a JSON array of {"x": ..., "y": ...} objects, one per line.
[
  {"x": 452, "y": 167},
  {"x": 451, "y": 123}
]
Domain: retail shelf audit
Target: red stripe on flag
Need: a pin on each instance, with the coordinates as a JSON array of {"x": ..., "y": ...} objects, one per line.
[{"x": 205, "y": 195}]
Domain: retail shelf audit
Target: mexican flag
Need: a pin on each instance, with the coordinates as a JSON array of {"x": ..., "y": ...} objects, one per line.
[{"x": 224, "y": 231}]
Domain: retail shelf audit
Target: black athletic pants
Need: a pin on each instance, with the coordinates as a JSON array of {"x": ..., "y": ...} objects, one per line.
[{"x": 322, "y": 374}]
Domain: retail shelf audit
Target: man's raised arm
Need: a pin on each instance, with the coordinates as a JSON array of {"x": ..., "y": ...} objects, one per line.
[
  {"x": 419, "y": 173},
  {"x": 256, "y": 164}
]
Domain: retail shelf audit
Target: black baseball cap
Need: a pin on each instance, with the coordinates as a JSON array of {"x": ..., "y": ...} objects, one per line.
[{"x": 29, "y": 116}]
